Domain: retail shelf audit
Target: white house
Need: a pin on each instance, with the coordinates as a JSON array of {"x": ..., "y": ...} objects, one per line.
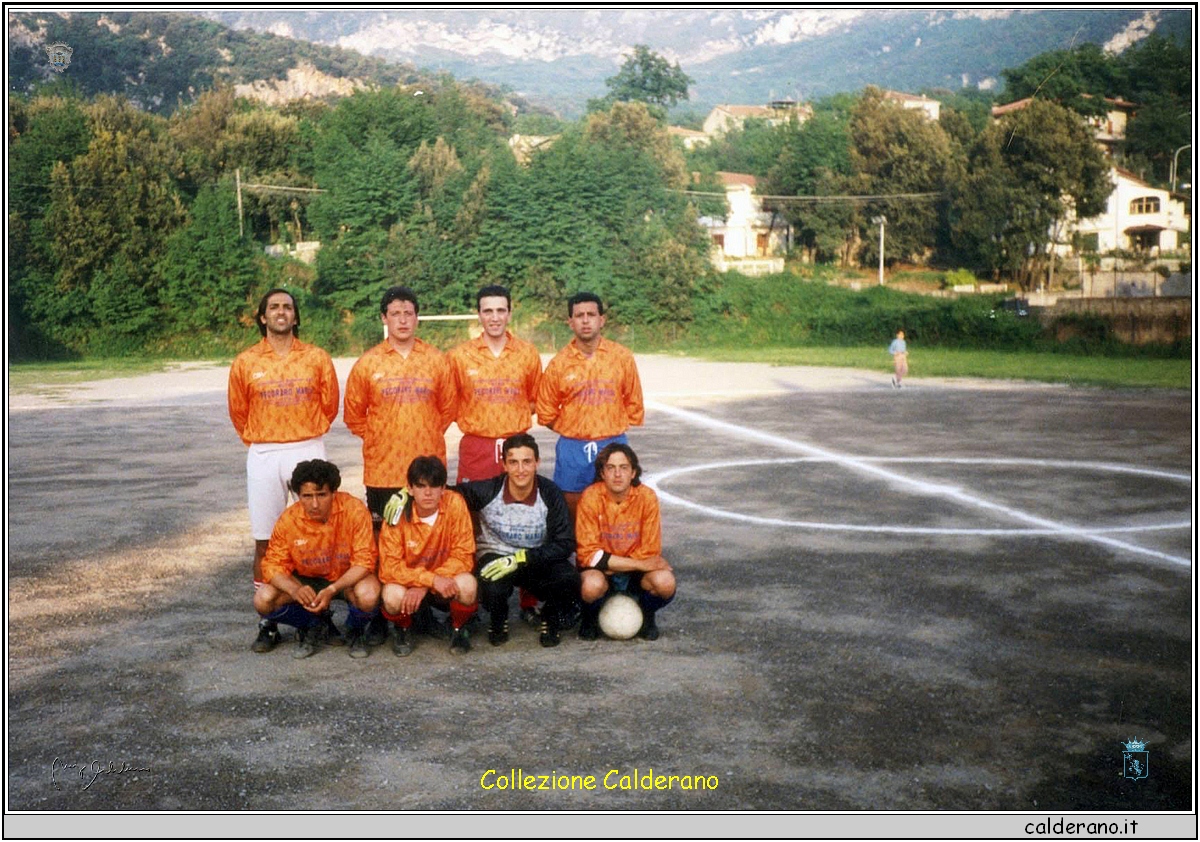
[
  {"x": 690, "y": 139},
  {"x": 725, "y": 117},
  {"x": 931, "y": 107},
  {"x": 749, "y": 240},
  {"x": 1138, "y": 218},
  {"x": 1108, "y": 128}
]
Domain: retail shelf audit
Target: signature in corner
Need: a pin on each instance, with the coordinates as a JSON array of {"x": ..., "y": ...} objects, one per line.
[{"x": 89, "y": 772}]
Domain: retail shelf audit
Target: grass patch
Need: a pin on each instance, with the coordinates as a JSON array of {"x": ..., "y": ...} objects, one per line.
[{"x": 1070, "y": 369}]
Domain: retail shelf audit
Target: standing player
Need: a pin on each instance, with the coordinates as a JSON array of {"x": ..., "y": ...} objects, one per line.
[
  {"x": 427, "y": 552},
  {"x": 525, "y": 540},
  {"x": 590, "y": 395},
  {"x": 399, "y": 401},
  {"x": 619, "y": 542},
  {"x": 495, "y": 380},
  {"x": 283, "y": 397},
  {"x": 899, "y": 351},
  {"x": 321, "y": 549}
]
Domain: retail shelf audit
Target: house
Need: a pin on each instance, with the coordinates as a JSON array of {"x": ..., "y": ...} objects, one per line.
[
  {"x": 1138, "y": 218},
  {"x": 749, "y": 240},
  {"x": 690, "y": 139},
  {"x": 913, "y": 102},
  {"x": 1108, "y": 129},
  {"x": 723, "y": 118}
]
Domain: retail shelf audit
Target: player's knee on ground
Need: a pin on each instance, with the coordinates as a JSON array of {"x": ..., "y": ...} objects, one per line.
[
  {"x": 593, "y": 586},
  {"x": 467, "y": 589},
  {"x": 661, "y": 583},
  {"x": 365, "y": 593}
]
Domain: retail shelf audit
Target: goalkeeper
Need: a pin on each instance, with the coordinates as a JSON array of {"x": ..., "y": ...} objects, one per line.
[{"x": 525, "y": 539}]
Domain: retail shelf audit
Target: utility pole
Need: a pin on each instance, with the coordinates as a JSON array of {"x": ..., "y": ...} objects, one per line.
[
  {"x": 881, "y": 221},
  {"x": 1174, "y": 161}
]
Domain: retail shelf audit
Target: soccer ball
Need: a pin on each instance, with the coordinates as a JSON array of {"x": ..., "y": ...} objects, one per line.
[{"x": 621, "y": 617}]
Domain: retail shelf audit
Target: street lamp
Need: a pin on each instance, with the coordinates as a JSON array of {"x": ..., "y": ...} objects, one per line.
[
  {"x": 1174, "y": 161},
  {"x": 881, "y": 221}
]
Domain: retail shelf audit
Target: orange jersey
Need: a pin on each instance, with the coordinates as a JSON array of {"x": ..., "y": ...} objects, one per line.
[
  {"x": 400, "y": 407},
  {"x": 591, "y": 397},
  {"x": 631, "y": 528},
  {"x": 412, "y": 553},
  {"x": 282, "y": 399},
  {"x": 326, "y": 550},
  {"x": 495, "y": 394}
]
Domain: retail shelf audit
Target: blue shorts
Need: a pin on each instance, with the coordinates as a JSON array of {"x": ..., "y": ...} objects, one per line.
[{"x": 575, "y": 461}]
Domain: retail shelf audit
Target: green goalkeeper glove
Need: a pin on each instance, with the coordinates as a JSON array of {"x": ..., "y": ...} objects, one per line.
[
  {"x": 395, "y": 507},
  {"x": 498, "y": 568}
]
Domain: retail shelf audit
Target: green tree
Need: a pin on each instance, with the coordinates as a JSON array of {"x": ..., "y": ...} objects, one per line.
[
  {"x": 896, "y": 151},
  {"x": 1026, "y": 174},
  {"x": 208, "y": 272},
  {"x": 1078, "y": 78},
  {"x": 647, "y": 77}
]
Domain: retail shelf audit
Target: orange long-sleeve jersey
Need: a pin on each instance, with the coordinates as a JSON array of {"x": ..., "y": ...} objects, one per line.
[
  {"x": 302, "y": 546},
  {"x": 495, "y": 395},
  {"x": 631, "y": 528},
  {"x": 591, "y": 397},
  {"x": 282, "y": 399},
  {"x": 411, "y": 553},
  {"x": 400, "y": 407}
]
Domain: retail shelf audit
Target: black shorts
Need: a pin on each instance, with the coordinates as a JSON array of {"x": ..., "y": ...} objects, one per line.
[{"x": 318, "y": 584}]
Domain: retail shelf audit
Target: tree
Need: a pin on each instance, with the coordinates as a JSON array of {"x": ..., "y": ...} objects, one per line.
[
  {"x": 894, "y": 150},
  {"x": 1026, "y": 174},
  {"x": 645, "y": 77},
  {"x": 208, "y": 272}
]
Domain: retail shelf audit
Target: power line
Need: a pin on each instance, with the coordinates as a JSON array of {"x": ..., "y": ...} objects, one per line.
[{"x": 818, "y": 199}]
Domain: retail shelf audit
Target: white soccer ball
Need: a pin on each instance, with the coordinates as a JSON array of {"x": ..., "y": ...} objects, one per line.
[{"x": 620, "y": 617}]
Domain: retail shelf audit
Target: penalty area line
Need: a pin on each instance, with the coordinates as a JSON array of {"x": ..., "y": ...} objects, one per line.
[{"x": 949, "y": 492}]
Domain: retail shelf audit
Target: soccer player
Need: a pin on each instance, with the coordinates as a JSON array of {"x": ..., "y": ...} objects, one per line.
[
  {"x": 590, "y": 395},
  {"x": 399, "y": 401},
  {"x": 619, "y": 542},
  {"x": 525, "y": 540},
  {"x": 283, "y": 397},
  {"x": 495, "y": 379},
  {"x": 321, "y": 549},
  {"x": 426, "y": 554}
]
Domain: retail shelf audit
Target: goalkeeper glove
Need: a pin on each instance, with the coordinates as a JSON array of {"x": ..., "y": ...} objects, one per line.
[
  {"x": 498, "y": 568},
  {"x": 395, "y": 507}
]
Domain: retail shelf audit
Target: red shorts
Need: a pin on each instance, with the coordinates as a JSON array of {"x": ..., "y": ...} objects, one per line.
[{"x": 479, "y": 458}]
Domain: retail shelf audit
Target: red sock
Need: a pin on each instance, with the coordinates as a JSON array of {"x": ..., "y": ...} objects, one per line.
[
  {"x": 528, "y": 600},
  {"x": 400, "y": 621},
  {"x": 461, "y": 614}
]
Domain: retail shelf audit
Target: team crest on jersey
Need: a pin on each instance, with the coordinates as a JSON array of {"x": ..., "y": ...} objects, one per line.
[
  {"x": 60, "y": 57},
  {"x": 300, "y": 542},
  {"x": 257, "y": 375}
]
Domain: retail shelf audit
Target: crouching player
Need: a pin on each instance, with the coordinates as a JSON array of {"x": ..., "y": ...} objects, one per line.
[
  {"x": 426, "y": 552},
  {"x": 525, "y": 540},
  {"x": 322, "y": 548},
  {"x": 618, "y": 533}
]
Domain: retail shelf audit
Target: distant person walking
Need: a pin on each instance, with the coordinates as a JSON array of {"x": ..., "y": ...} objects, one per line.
[{"x": 899, "y": 351}]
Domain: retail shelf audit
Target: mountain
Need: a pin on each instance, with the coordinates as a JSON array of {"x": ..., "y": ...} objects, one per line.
[{"x": 560, "y": 58}]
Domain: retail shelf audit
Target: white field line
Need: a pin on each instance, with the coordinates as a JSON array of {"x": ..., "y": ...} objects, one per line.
[{"x": 917, "y": 486}]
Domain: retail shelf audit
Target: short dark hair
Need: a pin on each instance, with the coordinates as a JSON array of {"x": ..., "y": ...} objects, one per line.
[
  {"x": 520, "y": 440},
  {"x": 493, "y": 290},
  {"x": 429, "y": 470},
  {"x": 320, "y": 473},
  {"x": 398, "y": 293},
  {"x": 617, "y": 447},
  {"x": 262, "y": 310},
  {"x": 581, "y": 298}
]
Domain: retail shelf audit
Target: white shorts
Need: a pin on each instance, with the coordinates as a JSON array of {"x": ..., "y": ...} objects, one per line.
[{"x": 269, "y": 469}]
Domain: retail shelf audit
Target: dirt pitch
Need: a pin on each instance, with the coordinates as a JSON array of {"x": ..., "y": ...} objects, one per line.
[{"x": 957, "y": 596}]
